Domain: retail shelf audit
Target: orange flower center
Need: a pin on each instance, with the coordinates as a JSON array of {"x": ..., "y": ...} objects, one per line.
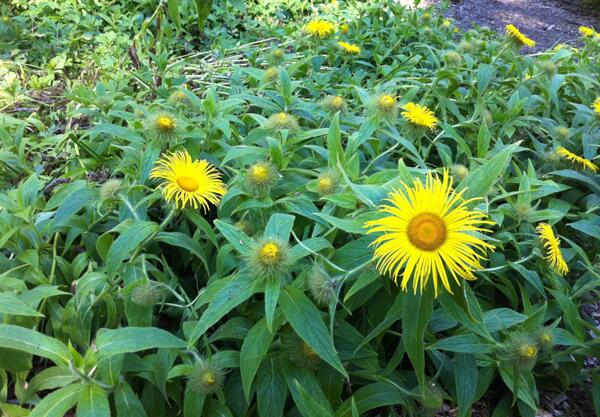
[
  {"x": 188, "y": 184},
  {"x": 427, "y": 231}
]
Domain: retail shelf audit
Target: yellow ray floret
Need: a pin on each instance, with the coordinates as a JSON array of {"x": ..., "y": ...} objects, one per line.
[
  {"x": 349, "y": 48},
  {"x": 576, "y": 159},
  {"x": 596, "y": 106},
  {"x": 419, "y": 116},
  {"x": 515, "y": 34},
  {"x": 320, "y": 28},
  {"x": 552, "y": 246},
  {"x": 586, "y": 31},
  {"x": 188, "y": 182},
  {"x": 428, "y": 233}
]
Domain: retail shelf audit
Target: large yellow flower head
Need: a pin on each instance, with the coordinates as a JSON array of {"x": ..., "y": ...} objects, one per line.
[
  {"x": 320, "y": 28},
  {"x": 552, "y": 246},
  {"x": 349, "y": 48},
  {"x": 576, "y": 159},
  {"x": 420, "y": 116},
  {"x": 188, "y": 182},
  {"x": 517, "y": 37},
  {"x": 428, "y": 233}
]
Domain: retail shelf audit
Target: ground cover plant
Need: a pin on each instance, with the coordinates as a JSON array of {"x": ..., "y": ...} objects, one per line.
[{"x": 332, "y": 209}]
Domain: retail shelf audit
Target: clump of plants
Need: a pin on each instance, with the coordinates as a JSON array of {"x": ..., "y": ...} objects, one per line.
[{"x": 370, "y": 213}]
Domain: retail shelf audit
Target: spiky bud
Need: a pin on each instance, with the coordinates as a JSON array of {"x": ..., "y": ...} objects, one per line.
[
  {"x": 453, "y": 58},
  {"x": 321, "y": 286},
  {"x": 521, "y": 351},
  {"x": 146, "y": 294},
  {"x": 269, "y": 258},
  {"x": 260, "y": 177},
  {"x": 207, "y": 378},
  {"x": 549, "y": 68},
  {"x": 177, "y": 96},
  {"x": 271, "y": 74},
  {"x": 282, "y": 120},
  {"x": 299, "y": 352},
  {"x": 562, "y": 132},
  {"x": 545, "y": 338},
  {"x": 109, "y": 191},
  {"x": 161, "y": 126},
  {"x": 334, "y": 103},
  {"x": 459, "y": 171},
  {"x": 386, "y": 106},
  {"x": 466, "y": 46}
]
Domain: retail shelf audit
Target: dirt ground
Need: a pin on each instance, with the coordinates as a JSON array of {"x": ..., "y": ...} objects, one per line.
[{"x": 548, "y": 22}]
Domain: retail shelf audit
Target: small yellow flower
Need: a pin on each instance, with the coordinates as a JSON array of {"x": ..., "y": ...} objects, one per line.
[
  {"x": 586, "y": 31},
  {"x": 320, "y": 28},
  {"x": 387, "y": 102},
  {"x": 516, "y": 36},
  {"x": 576, "y": 159},
  {"x": 385, "y": 105},
  {"x": 271, "y": 74},
  {"x": 344, "y": 28},
  {"x": 165, "y": 123},
  {"x": 269, "y": 253},
  {"x": 260, "y": 177},
  {"x": 419, "y": 115},
  {"x": 552, "y": 246},
  {"x": 447, "y": 23},
  {"x": 208, "y": 377},
  {"x": 428, "y": 234},
  {"x": 327, "y": 183},
  {"x": 161, "y": 126},
  {"x": 269, "y": 258},
  {"x": 350, "y": 48},
  {"x": 527, "y": 76},
  {"x": 187, "y": 182}
]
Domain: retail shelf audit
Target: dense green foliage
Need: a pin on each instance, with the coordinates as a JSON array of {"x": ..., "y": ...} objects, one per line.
[{"x": 114, "y": 302}]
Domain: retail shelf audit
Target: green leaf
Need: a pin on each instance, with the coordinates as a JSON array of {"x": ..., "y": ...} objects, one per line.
[
  {"x": 417, "y": 311},
  {"x": 238, "y": 239},
  {"x": 334, "y": 141},
  {"x": 30, "y": 341},
  {"x": 271, "y": 391},
  {"x": 11, "y": 305},
  {"x": 280, "y": 226},
  {"x": 128, "y": 241},
  {"x": 480, "y": 181},
  {"x": 236, "y": 291},
  {"x": 93, "y": 402},
  {"x": 465, "y": 379},
  {"x": 254, "y": 348},
  {"x": 134, "y": 339},
  {"x": 173, "y": 10},
  {"x": 203, "y": 7},
  {"x": 272, "y": 291},
  {"x": 58, "y": 403},
  {"x": 50, "y": 378},
  {"x": 184, "y": 241},
  {"x": 307, "y": 322},
  {"x": 127, "y": 403},
  {"x": 465, "y": 343},
  {"x": 307, "y": 405},
  {"x": 370, "y": 397}
]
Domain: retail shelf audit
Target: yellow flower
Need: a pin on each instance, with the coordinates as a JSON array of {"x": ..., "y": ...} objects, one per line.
[
  {"x": 161, "y": 126},
  {"x": 515, "y": 35},
  {"x": 576, "y": 159},
  {"x": 327, "y": 183},
  {"x": 260, "y": 177},
  {"x": 320, "y": 28},
  {"x": 387, "y": 102},
  {"x": 385, "y": 105},
  {"x": 527, "y": 76},
  {"x": 428, "y": 231},
  {"x": 586, "y": 31},
  {"x": 187, "y": 182},
  {"x": 350, "y": 48},
  {"x": 419, "y": 116},
  {"x": 528, "y": 351},
  {"x": 344, "y": 28},
  {"x": 447, "y": 23},
  {"x": 269, "y": 258},
  {"x": 552, "y": 246},
  {"x": 165, "y": 123},
  {"x": 596, "y": 106}
]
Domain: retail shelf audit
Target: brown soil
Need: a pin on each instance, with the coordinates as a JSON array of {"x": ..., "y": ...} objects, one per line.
[{"x": 548, "y": 22}]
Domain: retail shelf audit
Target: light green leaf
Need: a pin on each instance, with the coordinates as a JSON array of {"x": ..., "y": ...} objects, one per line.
[
  {"x": 127, "y": 242},
  {"x": 59, "y": 402},
  {"x": 30, "y": 341},
  {"x": 135, "y": 339},
  {"x": 93, "y": 402}
]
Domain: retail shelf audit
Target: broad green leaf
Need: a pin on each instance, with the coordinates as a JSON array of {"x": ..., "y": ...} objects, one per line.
[
  {"x": 465, "y": 379},
  {"x": 127, "y": 403},
  {"x": 59, "y": 402},
  {"x": 307, "y": 322},
  {"x": 50, "y": 378},
  {"x": 134, "y": 339},
  {"x": 334, "y": 141},
  {"x": 127, "y": 242},
  {"x": 238, "y": 239},
  {"x": 308, "y": 405},
  {"x": 272, "y": 291},
  {"x": 93, "y": 402},
  {"x": 271, "y": 390},
  {"x": 254, "y": 348},
  {"x": 280, "y": 226},
  {"x": 417, "y": 311},
  {"x": 10, "y": 304},
  {"x": 370, "y": 397},
  {"x": 465, "y": 343},
  {"x": 480, "y": 181},
  {"x": 235, "y": 292},
  {"x": 173, "y": 10},
  {"x": 30, "y": 341}
]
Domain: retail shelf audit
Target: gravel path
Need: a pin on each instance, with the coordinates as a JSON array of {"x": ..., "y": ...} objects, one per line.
[{"x": 548, "y": 22}]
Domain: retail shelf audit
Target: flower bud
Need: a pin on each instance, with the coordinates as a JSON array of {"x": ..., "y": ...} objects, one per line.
[{"x": 208, "y": 377}]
